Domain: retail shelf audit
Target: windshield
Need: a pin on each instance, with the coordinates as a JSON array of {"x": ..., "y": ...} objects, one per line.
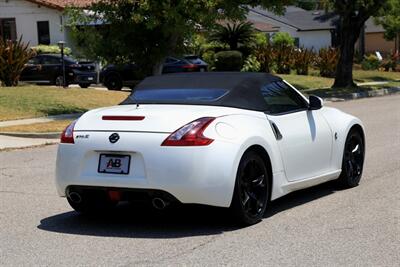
[{"x": 178, "y": 95}]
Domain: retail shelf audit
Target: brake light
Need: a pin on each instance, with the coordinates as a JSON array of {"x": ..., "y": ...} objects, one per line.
[
  {"x": 190, "y": 134},
  {"x": 189, "y": 66},
  {"x": 67, "y": 136},
  {"x": 122, "y": 118}
]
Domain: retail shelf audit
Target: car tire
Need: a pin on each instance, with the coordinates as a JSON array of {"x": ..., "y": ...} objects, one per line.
[
  {"x": 113, "y": 82},
  {"x": 251, "y": 193},
  {"x": 353, "y": 160},
  {"x": 91, "y": 202},
  {"x": 58, "y": 81},
  {"x": 84, "y": 85}
]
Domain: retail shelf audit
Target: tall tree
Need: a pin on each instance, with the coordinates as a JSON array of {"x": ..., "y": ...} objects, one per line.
[
  {"x": 353, "y": 15},
  {"x": 390, "y": 20},
  {"x": 146, "y": 31}
]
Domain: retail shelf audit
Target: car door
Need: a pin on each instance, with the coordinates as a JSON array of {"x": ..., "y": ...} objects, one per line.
[
  {"x": 51, "y": 68},
  {"x": 31, "y": 70},
  {"x": 304, "y": 137}
]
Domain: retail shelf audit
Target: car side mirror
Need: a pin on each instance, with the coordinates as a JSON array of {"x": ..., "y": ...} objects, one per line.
[{"x": 315, "y": 102}]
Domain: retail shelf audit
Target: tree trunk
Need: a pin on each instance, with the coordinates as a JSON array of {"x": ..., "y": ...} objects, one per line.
[
  {"x": 349, "y": 32},
  {"x": 171, "y": 47},
  {"x": 158, "y": 67}
]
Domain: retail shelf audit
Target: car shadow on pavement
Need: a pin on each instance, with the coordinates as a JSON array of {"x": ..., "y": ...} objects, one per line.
[
  {"x": 132, "y": 221},
  {"x": 301, "y": 197}
]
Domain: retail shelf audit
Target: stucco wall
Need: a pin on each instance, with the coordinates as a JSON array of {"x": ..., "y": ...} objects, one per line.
[
  {"x": 308, "y": 39},
  {"x": 376, "y": 42},
  {"x": 26, "y": 15},
  {"x": 315, "y": 39}
]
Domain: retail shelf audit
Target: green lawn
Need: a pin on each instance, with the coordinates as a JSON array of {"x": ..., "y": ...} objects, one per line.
[
  {"x": 36, "y": 101},
  {"x": 360, "y": 76},
  {"x": 314, "y": 84},
  {"x": 303, "y": 82}
]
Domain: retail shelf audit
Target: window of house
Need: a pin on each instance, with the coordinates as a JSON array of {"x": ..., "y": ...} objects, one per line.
[
  {"x": 297, "y": 42},
  {"x": 8, "y": 29},
  {"x": 43, "y": 32},
  {"x": 281, "y": 98}
]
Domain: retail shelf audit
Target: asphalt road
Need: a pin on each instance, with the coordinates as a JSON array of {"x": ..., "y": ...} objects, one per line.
[{"x": 318, "y": 226}]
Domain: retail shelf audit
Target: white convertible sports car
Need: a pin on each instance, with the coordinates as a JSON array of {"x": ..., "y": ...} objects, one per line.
[{"x": 234, "y": 140}]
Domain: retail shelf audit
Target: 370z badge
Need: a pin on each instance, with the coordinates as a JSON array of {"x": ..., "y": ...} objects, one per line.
[{"x": 113, "y": 138}]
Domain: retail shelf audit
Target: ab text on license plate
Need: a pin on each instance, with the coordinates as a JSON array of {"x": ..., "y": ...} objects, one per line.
[{"x": 111, "y": 163}]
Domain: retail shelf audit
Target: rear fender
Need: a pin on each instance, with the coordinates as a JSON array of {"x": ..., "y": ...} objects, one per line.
[{"x": 247, "y": 131}]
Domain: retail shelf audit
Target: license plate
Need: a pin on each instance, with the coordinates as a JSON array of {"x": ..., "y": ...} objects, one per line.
[
  {"x": 112, "y": 163},
  {"x": 90, "y": 78}
]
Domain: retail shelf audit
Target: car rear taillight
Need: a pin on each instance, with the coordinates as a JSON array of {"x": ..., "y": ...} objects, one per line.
[
  {"x": 67, "y": 136},
  {"x": 190, "y": 67},
  {"x": 190, "y": 134}
]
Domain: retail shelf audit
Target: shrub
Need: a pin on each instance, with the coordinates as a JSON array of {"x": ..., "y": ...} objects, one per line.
[
  {"x": 196, "y": 45},
  {"x": 370, "y": 62},
  {"x": 265, "y": 55},
  {"x": 251, "y": 64},
  {"x": 282, "y": 39},
  {"x": 209, "y": 58},
  {"x": 13, "y": 57},
  {"x": 261, "y": 39},
  {"x": 50, "y": 49},
  {"x": 327, "y": 61},
  {"x": 228, "y": 61},
  {"x": 283, "y": 58},
  {"x": 215, "y": 47},
  {"x": 303, "y": 59}
]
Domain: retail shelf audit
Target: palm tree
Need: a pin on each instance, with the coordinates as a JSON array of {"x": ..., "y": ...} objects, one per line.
[{"x": 233, "y": 34}]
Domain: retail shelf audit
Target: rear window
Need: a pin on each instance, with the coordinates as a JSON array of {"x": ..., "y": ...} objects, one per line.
[{"x": 178, "y": 95}]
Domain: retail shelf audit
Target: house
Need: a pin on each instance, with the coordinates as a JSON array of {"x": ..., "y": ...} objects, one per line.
[
  {"x": 316, "y": 29},
  {"x": 375, "y": 41},
  {"x": 310, "y": 29},
  {"x": 35, "y": 21}
]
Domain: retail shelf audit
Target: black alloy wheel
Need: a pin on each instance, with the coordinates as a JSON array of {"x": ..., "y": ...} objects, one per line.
[
  {"x": 251, "y": 193},
  {"x": 58, "y": 81},
  {"x": 114, "y": 82},
  {"x": 353, "y": 160}
]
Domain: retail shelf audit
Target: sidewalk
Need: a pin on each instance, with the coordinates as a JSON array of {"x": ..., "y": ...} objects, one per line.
[
  {"x": 8, "y": 142},
  {"x": 12, "y": 142},
  {"x": 39, "y": 120}
]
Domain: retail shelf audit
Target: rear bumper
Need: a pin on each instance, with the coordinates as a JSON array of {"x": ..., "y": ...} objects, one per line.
[
  {"x": 198, "y": 175},
  {"x": 86, "y": 78}
]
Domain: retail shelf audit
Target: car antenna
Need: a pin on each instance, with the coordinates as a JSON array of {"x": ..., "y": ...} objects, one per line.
[{"x": 135, "y": 100}]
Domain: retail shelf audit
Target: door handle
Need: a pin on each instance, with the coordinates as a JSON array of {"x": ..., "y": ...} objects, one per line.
[{"x": 276, "y": 131}]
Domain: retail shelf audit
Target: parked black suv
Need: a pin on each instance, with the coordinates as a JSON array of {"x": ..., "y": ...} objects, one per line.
[
  {"x": 47, "y": 68},
  {"x": 115, "y": 77}
]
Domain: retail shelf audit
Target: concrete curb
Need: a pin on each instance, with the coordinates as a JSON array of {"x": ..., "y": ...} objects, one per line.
[
  {"x": 39, "y": 120},
  {"x": 358, "y": 95},
  {"x": 54, "y": 135}
]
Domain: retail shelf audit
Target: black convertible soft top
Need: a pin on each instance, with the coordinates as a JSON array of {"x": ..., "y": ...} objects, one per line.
[{"x": 243, "y": 89}]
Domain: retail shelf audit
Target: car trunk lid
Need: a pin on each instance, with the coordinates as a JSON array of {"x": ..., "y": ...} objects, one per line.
[{"x": 147, "y": 118}]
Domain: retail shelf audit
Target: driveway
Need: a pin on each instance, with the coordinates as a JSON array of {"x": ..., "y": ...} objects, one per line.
[{"x": 318, "y": 226}]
